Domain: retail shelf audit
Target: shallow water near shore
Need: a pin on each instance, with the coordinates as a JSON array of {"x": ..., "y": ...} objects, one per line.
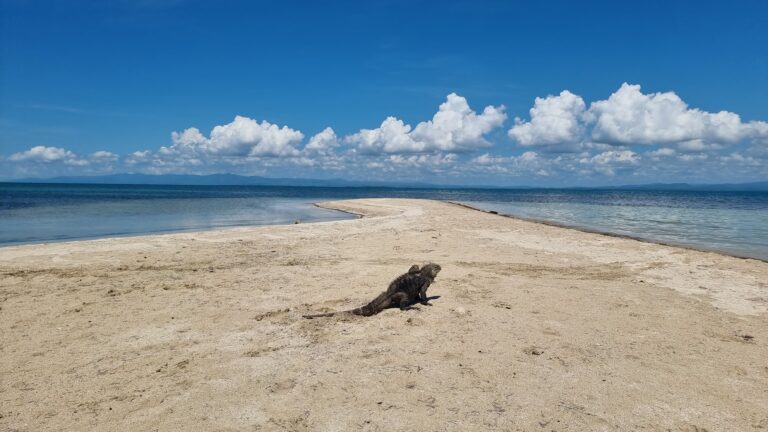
[
  {"x": 739, "y": 232},
  {"x": 731, "y": 222}
]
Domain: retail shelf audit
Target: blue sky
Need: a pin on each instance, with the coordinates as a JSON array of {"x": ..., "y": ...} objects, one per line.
[{"x": 161, "y": 86}]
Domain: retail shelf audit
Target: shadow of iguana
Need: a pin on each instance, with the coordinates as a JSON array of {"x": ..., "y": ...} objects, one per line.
[{"x": 402, "y": 292}]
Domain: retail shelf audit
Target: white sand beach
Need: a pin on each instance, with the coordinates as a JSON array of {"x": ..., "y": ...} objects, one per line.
[{"x": 536, "y": 328}]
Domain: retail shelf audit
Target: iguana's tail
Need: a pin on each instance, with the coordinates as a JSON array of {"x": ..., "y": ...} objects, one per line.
[
  {"x": 367, "y": 310},
  {"x": 329, "y": 314}
]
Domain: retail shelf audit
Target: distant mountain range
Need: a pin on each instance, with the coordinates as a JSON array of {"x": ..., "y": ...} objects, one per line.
[{"x": 238, "y": 180}]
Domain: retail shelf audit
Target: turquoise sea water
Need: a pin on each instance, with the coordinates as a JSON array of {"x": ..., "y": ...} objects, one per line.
[{"x": 731, "y": 222}]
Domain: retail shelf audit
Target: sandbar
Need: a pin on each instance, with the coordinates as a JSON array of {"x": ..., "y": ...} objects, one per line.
[{"x": 536, "y": 327}]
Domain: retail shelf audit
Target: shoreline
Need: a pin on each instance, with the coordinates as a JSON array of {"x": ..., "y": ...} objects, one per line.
[
  {"x": 693, "y": 247},
  {"x": 612, "y": 234},
  {"x": 530, "y": 325},
  {"x": 166, "y": 232}
]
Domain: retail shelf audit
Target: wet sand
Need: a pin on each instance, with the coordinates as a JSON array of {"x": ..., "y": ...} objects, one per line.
[{"x": 536, "y": 328}]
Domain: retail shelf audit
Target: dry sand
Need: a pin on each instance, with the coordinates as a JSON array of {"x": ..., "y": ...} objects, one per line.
[{"x": 537, "y": 328}]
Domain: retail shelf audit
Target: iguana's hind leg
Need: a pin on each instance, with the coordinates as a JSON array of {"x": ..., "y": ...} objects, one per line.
[{"x": 401, "y": 300}]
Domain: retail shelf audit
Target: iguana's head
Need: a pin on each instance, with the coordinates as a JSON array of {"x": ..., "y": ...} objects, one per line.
[{"x": 430, "y": 270}]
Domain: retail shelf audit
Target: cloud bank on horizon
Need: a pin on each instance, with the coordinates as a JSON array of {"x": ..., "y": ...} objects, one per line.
[{"x": 629, "y": 135}]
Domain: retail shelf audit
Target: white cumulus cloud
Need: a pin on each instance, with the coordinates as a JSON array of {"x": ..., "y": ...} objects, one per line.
[
  {"x": 322, "y": 142},
  {"x": 423, "y": 160},
  {"x": 43, "y": 154},
  {"x": 613, "y": 157},
  {"x": 393, "y": 136},
  {"x": 630, "y": 117},
  {"x": 104, "y": 156},
  {"x": 758, "y": 131},
  {"x": 190, "y": 138},
  {"x": 555, "y": 121},
  {"x": 529, "y": 163},
  {"x": 242, "y": 137},
  {"x": 454, "y": 128},
  {"x": 51, "y": 161},
  {"x": 609, "y": 162}
]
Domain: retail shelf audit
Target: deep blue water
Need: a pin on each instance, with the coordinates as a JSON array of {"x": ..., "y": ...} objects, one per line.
[{"x": 732, "y": 222}]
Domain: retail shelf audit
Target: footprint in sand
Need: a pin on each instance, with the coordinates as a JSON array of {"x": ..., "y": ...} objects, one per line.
[
  {"x": 281, "y": 386},
  {"x": 533, "y": 350}
]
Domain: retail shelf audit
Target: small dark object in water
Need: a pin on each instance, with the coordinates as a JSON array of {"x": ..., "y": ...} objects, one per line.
[{"x": 493, "y": 212}]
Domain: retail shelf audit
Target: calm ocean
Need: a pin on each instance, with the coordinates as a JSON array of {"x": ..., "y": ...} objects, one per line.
[{"x": 732, "y": 222}]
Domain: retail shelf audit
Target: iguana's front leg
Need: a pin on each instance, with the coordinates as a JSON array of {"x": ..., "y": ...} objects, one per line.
[{"x": 423, "y": 294}]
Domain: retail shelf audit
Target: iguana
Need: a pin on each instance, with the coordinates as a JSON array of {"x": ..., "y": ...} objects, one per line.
[{"x": 402, "y": 292}]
